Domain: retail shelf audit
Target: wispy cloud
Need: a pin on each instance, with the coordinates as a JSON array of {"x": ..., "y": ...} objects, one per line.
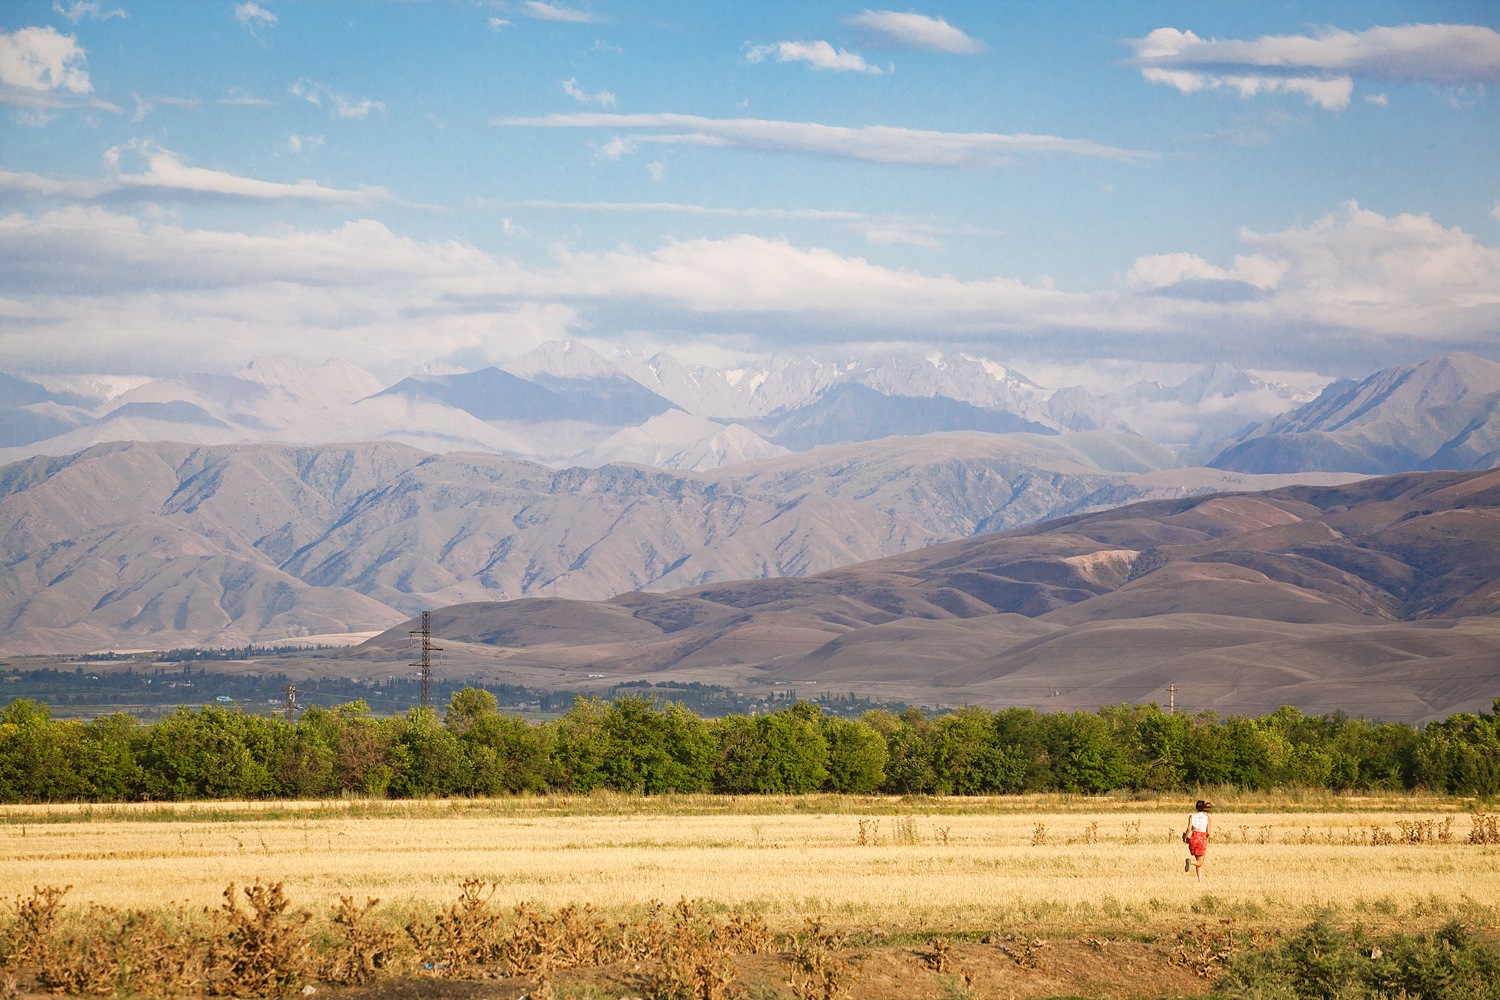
[
  {"x": 244, "y": 99},
  {"x": 496, "y": 23},
  {"x": 339, "y": 106},
  {"x": 166, "y": 177},
  {"x": 80, "y": 9},
  {"x": 1321, "y": 67},
  {"x": 894, "y": 29},
  {"x": 870, "y": 143},
  {"x": 603, "y": 98},
  {"x": 555, "y": 12},
  {"x": 818, "y": 55},
  {"x": 252, "y": 16}
]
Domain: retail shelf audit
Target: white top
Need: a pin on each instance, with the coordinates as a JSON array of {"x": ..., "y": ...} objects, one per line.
[{"x": 1198, "y": 821}]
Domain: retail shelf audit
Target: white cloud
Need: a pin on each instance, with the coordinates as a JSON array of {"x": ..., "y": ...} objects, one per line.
[
  {"x": 166, "y": 177},
  {"x": 1321, "y": 67},
  {"x": 914, "y": 31},
  {"x": 315, "y": 93},
  {"x": 79, "y": 9},
  {"x": 244, "y": 99},
  {"x": 300, "y": 143},
  {"x": 96, "y": 281},
  {"x": 41, "y": 59},
  {"x": 818, "y": 55},
  {"x": 496, "y": 23},
  {"x": 555, "y": 12},
  {"x": 1166, "y": 270},
  {"x": 603, "y": 98},
  {"x": 1379, "y": 100},
  {"x": 871, "y": 143},
  {"x": 355, "y": 110},
  {"x": 253, "y": 15}
]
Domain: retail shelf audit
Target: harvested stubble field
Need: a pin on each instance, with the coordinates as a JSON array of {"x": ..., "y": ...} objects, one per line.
[{"x": 1072, "y": 894}]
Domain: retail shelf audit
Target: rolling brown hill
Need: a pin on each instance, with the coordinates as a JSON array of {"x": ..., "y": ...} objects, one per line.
[
  {"x": 155, "y": 545},
  {"x": 1380, "y": 597}
]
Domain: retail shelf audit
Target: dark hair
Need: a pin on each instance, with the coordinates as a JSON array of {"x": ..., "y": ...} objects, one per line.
[{"x": 1200, "y": 805}]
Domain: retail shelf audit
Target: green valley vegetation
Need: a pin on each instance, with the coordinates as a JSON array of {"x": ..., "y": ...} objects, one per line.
[{"x": 645, "y": 745}]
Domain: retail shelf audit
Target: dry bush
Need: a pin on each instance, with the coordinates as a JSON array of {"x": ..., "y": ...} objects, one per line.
[
  {"x": 748, "y": 935},
  {"x": 820, "y": 967},
  {"x": 261, "y": 951},
  {"x": 1027, "y": 952},
  {"x": 869, "y": 832},
  {"x": 1205, "y": 948},
  {"x": 364, "y": 948},
  {"x": 135, "y": 952},
  {"x": 937, "y": 956},
  {"x": 1039, "y": 835},
  {"x": 535, "y": 944},
  {"x": 1485, "y": 828},
  {"x": 696, "y": 959},
  {"x": 645, "y": 940},
  {"x": 36, "y": 920},
  {"x": 466, "y": 933}
]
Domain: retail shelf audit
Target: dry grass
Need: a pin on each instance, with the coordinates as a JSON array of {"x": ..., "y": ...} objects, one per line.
[{"x": 929, "y": 866}]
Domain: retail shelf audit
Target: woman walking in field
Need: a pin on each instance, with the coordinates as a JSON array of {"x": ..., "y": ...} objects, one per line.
[{"x": 1196, "y": 836}]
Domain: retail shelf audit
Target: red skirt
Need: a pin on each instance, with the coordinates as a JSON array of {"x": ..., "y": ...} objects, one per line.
[{"x": 1198, "y": 843}]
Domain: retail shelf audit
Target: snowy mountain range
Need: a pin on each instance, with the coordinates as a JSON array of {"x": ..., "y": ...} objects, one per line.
[{"x": 565, "y": 404}]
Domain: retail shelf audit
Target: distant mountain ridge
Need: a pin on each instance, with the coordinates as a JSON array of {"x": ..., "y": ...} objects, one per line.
[
  {"x": 157, "y": 545},
  {"x": 564, "y": 404},
  {"x": 1440, "y": 413}
]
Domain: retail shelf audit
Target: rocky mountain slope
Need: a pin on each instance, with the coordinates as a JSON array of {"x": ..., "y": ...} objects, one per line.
[
  {"x": 1443, "y": 413},
  {"x": 156, "y": 545},
  {"x": 1379, "y": 597}
]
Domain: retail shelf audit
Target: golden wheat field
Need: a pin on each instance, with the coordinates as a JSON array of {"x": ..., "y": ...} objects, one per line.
[{"x": 1042, "y": 863}]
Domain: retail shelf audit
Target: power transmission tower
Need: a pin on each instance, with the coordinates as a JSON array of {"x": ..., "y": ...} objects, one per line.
[
  {"x": 289, "y": 707},
  {"x": 426, "y": 662}
]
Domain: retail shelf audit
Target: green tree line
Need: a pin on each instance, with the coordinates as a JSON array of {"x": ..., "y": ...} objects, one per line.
[{"x": 636, "y": 744}]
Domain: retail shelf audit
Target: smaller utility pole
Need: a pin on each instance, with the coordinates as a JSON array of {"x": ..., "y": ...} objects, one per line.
[
  {"x": 1171, "y": 698},
  {"x": 289, "y": 706},
  {"x": 426, "y": 662}
]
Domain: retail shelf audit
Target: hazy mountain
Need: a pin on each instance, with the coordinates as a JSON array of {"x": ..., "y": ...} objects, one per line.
[
  {"x": 1440, "y": 413},
  {"x": 851, "y": 411},
  {"x": 1212, "y": 405},
  {"x": 1378, "y": 597},
  {"x": 167, "y": 544}
]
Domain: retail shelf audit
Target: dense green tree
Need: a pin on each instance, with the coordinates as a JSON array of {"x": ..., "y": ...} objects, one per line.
[
  {"x": 200, "y": 755},
  {"x": 856, "y": 756},
  {"x": 911, "y": 752},
  {"x": 426, "y": 758}
]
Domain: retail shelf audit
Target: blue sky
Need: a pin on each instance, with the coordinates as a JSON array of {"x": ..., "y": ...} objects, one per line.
[{"x": 1300, "y": 186}]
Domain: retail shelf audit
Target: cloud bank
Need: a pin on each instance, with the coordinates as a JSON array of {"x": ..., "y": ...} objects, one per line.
[
  {"x": 85, "y": 285},
  {"x": 1321, "y": 67}
]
